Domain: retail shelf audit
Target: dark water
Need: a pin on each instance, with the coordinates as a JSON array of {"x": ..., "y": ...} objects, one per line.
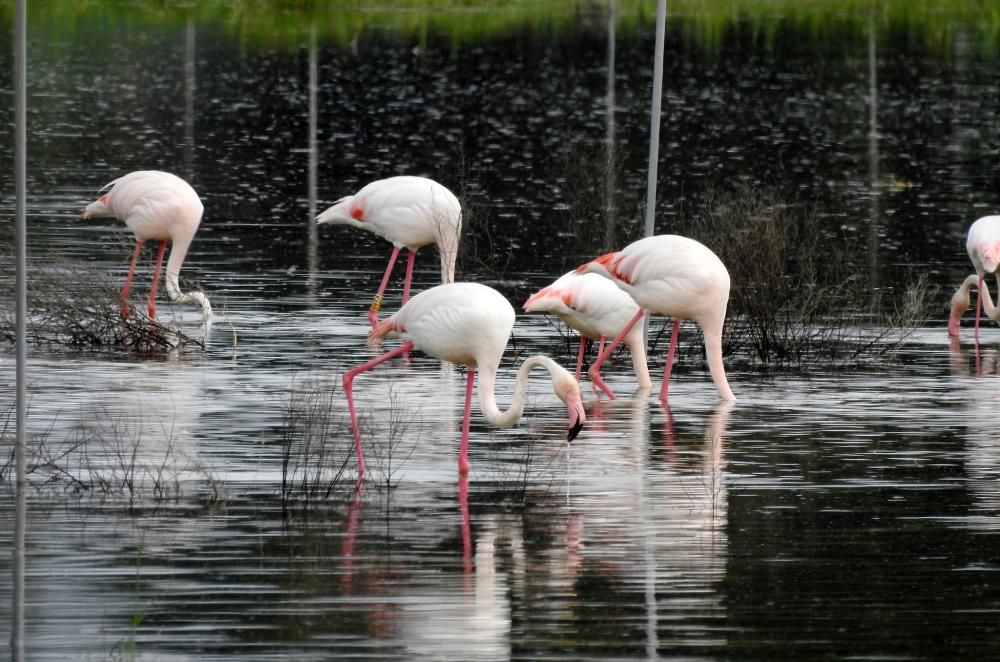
[{"x": 848, "y": 512}]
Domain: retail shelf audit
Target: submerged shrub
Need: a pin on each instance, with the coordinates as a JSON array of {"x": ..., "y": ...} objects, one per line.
[
  {"x": 797, "y": 291},
  {"x": 74, "y": 305}
]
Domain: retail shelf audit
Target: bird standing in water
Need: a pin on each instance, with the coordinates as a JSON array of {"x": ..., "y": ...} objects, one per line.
[
  {"x": 466, "y": 323},
  {"x": 408, "y": 211},
  {"x": 156, "y": 206},
  {"x": 983, "y": 246},
  {"x": 597, "y": 309},
  {"x": 674, "y": 276}
]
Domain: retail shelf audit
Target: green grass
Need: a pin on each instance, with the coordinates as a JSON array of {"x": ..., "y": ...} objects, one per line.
[{"x": 705, "y": 24}]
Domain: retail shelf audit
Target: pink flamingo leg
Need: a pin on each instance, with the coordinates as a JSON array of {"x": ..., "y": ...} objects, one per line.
[
  {"x": 351, "y": 529},
  {"x": 579, "y": 356},
  {"x": 348, "y": 390},
  {"x": 377, "y": 301},
  {"x": 410, "y": 259},
  {"x": 463, "y": 451},
  {"x": 979, "y": 306},
  {"x": 595, "y": 369},
  {"x": 600, "y": 345},
  {"x": 463, "y": 508},
  {"x": 156, "y": 279},
  {"x": 123, "y": 304},
  {"x": 669, "y": 366}
]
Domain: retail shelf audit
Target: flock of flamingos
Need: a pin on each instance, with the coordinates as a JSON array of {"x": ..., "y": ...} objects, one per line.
[{"x": 470, "y": 323}]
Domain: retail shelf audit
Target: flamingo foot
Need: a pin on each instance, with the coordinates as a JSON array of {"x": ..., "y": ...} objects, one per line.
[{"x": 595, "y": 378}]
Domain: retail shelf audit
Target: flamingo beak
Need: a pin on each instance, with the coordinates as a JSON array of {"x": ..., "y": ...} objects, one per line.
[{"x": 577, "y": 416}]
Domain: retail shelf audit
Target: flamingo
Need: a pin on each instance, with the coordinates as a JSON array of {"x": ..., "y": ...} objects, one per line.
[
  {"x": 466, "y": 323},
  {"x": 960, "y": 302},
  {"x": 156, "y": 206},
  {"x": 674, "y": 276},
  {"x": 408, "y": 211},
  {"x": 983, "y": 246},
  {"x": 594, "y": 307}
]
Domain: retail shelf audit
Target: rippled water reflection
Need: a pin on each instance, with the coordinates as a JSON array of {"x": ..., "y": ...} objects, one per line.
[{"x": 830, "y": 512}]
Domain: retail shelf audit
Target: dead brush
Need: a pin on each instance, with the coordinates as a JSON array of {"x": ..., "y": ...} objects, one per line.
[
  {"x": 74, "y": 305},
  {"x": 316, "y": 442},
  {"x": 104, "y": 453},
  {"x": 797, "y": 293}
]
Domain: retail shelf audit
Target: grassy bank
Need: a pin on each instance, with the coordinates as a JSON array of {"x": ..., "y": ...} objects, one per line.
[{"x": 705, "y": 24}]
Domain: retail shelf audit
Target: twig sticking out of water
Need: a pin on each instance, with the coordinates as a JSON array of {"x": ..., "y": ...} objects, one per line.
[
  {"x": 74, "y": 305},
  {"x": 316, "y": 442}
]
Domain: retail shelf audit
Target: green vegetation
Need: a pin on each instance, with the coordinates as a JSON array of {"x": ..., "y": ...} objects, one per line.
[{"x": 937, "y": 24}]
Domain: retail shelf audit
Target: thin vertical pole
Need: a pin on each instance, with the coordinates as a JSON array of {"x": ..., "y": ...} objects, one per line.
[
  {"x": 654, "y": 131},
  {"x": 312, "y": 255},
  {"x": 609, "y": 139},
  {"x": 654, "y": 117},
  {"x": 190, "y": 70},
  {"x": 20, "y": 186},
  {"x": 874, "y": 230}
]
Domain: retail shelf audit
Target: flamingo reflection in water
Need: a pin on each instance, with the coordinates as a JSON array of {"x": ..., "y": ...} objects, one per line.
[{"x": 638, "y": 513}]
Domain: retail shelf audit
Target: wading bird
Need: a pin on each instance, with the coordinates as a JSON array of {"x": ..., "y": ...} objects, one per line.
[
  {"x": 960, "y": 302},
  {"x": 674, "y": 276},
  {"x": 466, "y": 323},
  {"x": 983, "y": 246},
  {"x": 596, "y": 308},
  {"x": 156, "y": 206},
  {"x": 408, "y": 211}
]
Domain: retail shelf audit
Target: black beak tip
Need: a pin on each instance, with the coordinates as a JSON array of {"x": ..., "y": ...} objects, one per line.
[{"x": 575, "y": 430}]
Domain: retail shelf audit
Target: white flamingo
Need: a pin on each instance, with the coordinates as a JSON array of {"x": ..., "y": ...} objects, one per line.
[
  {"x": 983, "y": 246},
  {"x": 408, "y": 211},
  {"x": 156, "y": 206},
  {"x": 597, "y": 309},
  {"x": 466, "y": 323},
  {"x": 674, "y": 276}
]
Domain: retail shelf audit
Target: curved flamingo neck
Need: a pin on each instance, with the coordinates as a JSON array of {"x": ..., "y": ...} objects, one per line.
[
  {"x": 487, "y": 395},
  {"x": 178, "y": 251},
  {"x": 713, "y": 352}
]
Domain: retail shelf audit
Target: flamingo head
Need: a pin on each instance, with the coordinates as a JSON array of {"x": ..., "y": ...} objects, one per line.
[
  {"x": 568, "y": 390},
  {"x": 549, "y": 300},
  {"x": 960, "y": 303},
  {"x": 97, "y": 208},
  {"x": 342, "y": 212}
]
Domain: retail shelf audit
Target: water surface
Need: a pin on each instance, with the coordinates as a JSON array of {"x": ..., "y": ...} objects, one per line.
[{"x": 846, "y": 511}]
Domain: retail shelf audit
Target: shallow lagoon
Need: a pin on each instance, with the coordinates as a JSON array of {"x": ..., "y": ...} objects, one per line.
[{"x": 832, "y": 511}]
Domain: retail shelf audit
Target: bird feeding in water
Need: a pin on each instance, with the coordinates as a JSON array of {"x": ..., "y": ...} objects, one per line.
[
  {"x": 410, "y": 212},
  {"x": 983, "y": 246},
  {"x": 597, "y": 309},
  {"x": 156, "y": 206},
  {"x": 466, "y": 323},
  {"x": 675, "y": 276}
]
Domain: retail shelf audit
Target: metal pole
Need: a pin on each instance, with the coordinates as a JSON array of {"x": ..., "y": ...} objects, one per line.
[
  {"x": 609, "y": 139},
  {"x": 312, "y": 255},
  {"x": 654, "y": 118},
  {"x": 654, "y": 132},
  {"x": 20, "y": 241}
]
